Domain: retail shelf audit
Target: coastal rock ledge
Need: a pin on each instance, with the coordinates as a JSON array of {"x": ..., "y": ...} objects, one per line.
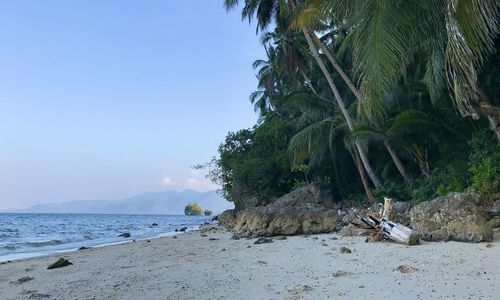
[
  {"x": 303, "y": 211},
  {"x": 454, "y": 217}
]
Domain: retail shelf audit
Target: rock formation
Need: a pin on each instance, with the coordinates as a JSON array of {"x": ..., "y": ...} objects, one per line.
[
  {"x": 457, "y": 217},
  {"x": 303, "y": 211}
]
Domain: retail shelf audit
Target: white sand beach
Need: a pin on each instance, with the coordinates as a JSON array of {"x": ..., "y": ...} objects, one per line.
[{"x": 215, "y": 266}]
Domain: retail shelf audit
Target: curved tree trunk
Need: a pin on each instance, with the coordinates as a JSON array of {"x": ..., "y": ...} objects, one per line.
[
  {"x": 355, "y": 91},
  {"x": 362, "y": 174},
  {"x": 397, "y": 161},
  {"x": 371, "y": 173}
]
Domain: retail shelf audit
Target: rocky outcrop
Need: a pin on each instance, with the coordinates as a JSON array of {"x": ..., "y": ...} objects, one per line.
[
  {"x": 243, "y": 198},
  {"x": 401, "y": 213},
  {"x": 302, "y": 211},
  {"x": 228, "y": 219},
  {"x": 457, "y": 216}
]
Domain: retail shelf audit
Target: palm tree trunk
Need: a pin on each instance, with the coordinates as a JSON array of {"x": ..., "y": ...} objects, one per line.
[
  {"x": 371, "y": 173},
  {"x": 332, "y": 60},
  {"x": 355, "y": 91},
  {"x": 362, "y": 174},
  {"x": 309, "y": 83},
  {"x": 397, "y": 161}
]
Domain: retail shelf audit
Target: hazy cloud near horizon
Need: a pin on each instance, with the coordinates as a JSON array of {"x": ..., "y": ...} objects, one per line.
[{"x": 109, "y": 99}]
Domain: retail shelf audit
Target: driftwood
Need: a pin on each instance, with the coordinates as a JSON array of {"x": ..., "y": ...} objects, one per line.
[{"x": 382, "y": 227}]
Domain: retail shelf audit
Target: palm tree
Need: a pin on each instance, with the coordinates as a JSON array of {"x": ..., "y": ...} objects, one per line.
[
  {"x": 453, "y": 37},
  {"x": 266, "y": 12}
]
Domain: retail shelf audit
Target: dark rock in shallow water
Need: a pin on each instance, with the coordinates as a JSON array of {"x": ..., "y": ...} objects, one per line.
[
  {"x": 61, "y": 262},
  {"x": 83, "y": 248},
  {"x": 263, "y": 240},
  {"x": 124, "y": 235},
  {"x": 183, "y": 229},
  {"x": 215, "y": 218},
  {"x": 154, "y": 225},
  {"x": 456, "y": 216},
  {"x": 177, "y": 230}
]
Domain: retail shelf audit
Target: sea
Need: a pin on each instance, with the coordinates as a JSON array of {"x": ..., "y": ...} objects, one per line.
[{"x": 30, "y": 235}]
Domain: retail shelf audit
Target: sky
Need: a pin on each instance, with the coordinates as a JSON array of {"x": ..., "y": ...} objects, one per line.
[{"x": 108, "y": 99}]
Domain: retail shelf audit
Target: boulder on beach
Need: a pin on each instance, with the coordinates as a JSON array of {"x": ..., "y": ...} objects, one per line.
[
  {"x": 456, "y": 216},
  {"x": 302, "y": 211},
  {"x": 61, "y": 262}
]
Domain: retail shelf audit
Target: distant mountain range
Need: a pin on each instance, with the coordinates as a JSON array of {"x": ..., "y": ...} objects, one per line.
[{"x": 169, "y": 202}]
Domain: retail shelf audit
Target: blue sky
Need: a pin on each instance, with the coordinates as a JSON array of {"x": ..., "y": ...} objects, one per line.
[{"x": 107, "y": 99}]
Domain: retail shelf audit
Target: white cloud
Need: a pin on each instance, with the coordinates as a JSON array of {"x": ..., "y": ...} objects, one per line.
[
  {"x": 167, "y": 181},
  {"x": 195, "y": 180}
]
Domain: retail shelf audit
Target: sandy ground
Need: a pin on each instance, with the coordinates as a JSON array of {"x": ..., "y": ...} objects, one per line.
[{"x": 215, "y": 266}]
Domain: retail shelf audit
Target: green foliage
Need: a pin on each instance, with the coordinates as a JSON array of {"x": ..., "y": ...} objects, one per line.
[
  {"x": 406, "y": 59},
  {"x": 193, "y": 209},
  {"x": 484, "y": 163},
  {"x": 257, "y": 161}
]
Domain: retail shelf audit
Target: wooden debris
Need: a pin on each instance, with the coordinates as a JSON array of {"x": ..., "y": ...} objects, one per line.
[{"x": 382, "y": 227}]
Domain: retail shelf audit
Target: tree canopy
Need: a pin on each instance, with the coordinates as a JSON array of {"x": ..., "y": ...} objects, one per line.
[{"x": 370, "y": 98}]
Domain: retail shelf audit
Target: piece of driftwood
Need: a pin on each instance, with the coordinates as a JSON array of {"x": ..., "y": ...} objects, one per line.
[{"x": 382, "y": 227}]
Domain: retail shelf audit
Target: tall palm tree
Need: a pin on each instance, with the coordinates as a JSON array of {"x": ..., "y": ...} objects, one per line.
[
  {"x": 453, "y": 36},
  {"x": 266, "y": 12}
]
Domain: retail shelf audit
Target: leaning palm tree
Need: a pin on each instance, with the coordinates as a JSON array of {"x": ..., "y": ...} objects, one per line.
[
  {"x": 266, "y": 12},
  {"x": 453, "y": 36}
]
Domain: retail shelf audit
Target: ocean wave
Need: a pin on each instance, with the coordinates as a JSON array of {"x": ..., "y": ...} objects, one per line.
[{"x": 38, "y": 244}]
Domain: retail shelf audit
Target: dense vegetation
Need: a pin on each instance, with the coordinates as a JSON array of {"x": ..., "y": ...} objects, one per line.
[{"x": 370, "y": 98}]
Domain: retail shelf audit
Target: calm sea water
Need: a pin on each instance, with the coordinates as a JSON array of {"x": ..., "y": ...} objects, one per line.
[{"x": 28, "y": 235}]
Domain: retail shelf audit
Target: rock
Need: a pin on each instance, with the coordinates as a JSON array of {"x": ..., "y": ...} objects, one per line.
[
  {"x": 213, "y": 239},
  {"x": 495, "y": 208},
  {"x": 124, "y": 235},
  {"x": 228, "y": 219},
  {"x": 215, "y": 218},
  {"x": 405, "y": 269},
  {"x": 351, "y": 230},
  {"x": 61, "y": 262},
  {"x": 83, "y": 248},
  {"x": 495, "y": 222},
  {"x": 456, "y": 216},
  {"x": 177, "y": 230},
  {"x": 206, "y": 223},
  {"x": 401, "y": 213},
  {"x": 38, "y": 296},
  {"x": 341, "y": 274},
  {"x": 281, "y": 237},
  {"x": 154, "y": 225},
  {"x": 183, "y": 229},
  {"x": 345, "y": 250},
  {"x": 174, "y": 237},
  {"x": 263, "y": 240},
  {"x": 299, "y": 212},
  {"x": 24, "y": 279},
  {"x": 243, "y": 197}
]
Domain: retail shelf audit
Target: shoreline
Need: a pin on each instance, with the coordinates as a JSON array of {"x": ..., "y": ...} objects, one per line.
[
  {"x": 27, "y": 255},
  {"x": 209, "y": 264}
]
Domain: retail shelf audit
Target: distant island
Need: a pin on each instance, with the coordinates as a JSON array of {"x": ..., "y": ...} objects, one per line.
[
  {"x": 193, "y": 209},
  {"x": 168, "y": 202}
]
